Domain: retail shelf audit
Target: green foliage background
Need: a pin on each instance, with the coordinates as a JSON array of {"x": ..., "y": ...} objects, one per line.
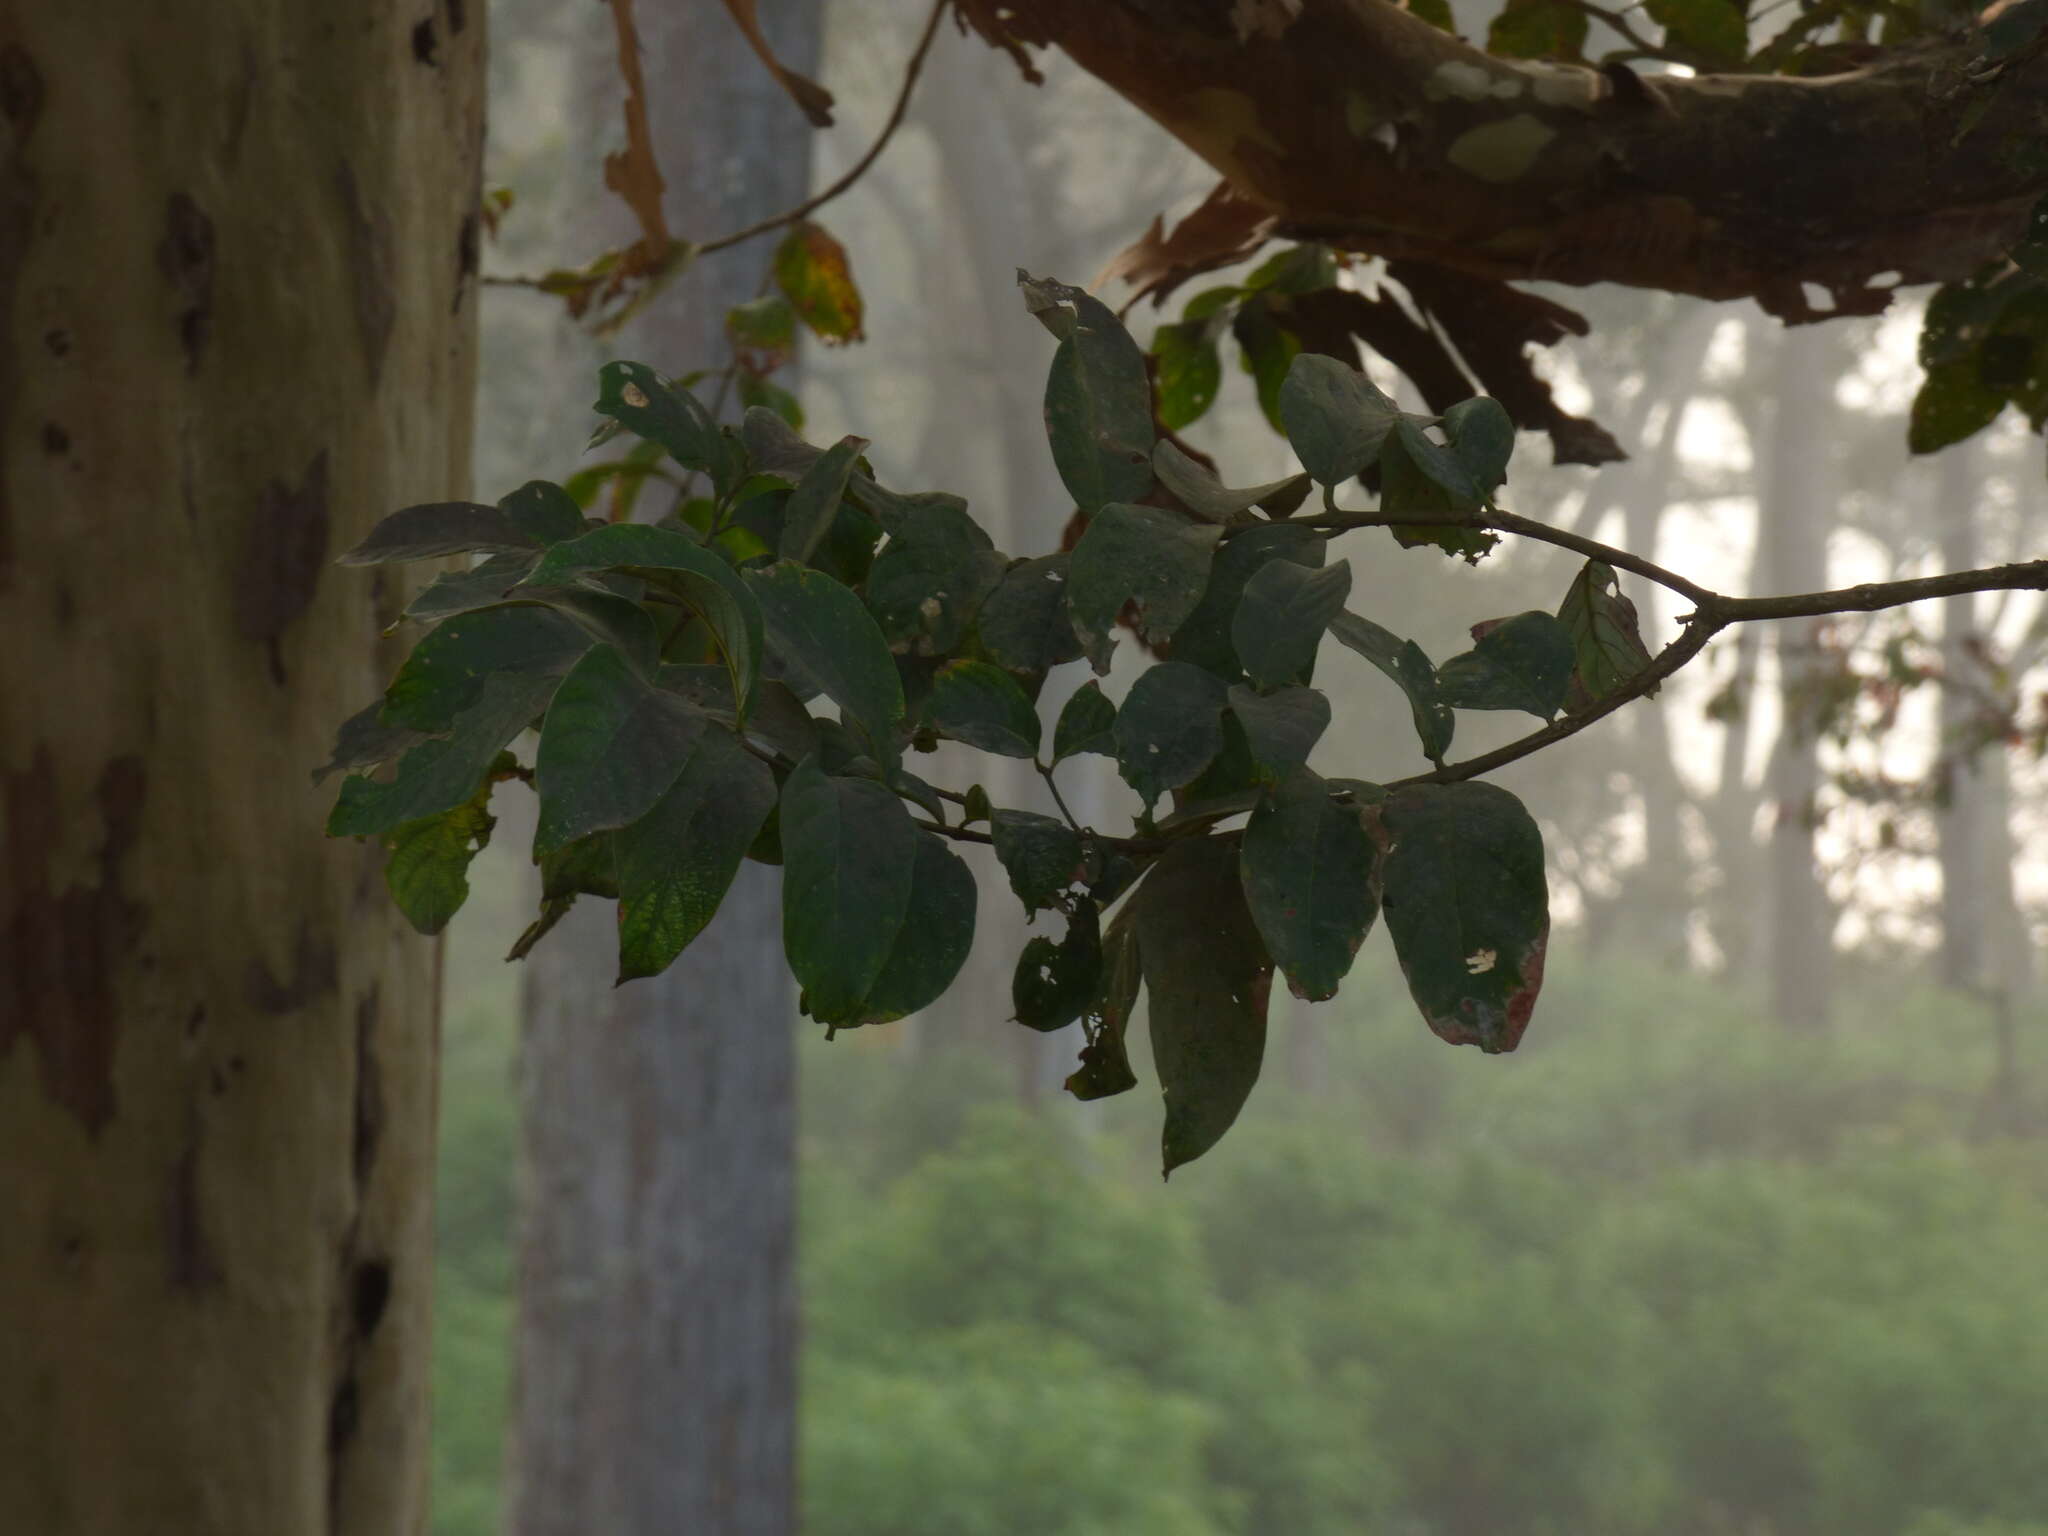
[{"x": 1666, "y": 1270}]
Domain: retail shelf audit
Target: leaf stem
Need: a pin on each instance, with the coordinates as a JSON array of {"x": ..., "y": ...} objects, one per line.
[{"x": 1058, "y": 799}]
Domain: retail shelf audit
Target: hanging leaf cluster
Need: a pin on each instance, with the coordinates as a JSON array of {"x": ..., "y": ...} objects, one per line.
[{"x": 751, "y": 676}]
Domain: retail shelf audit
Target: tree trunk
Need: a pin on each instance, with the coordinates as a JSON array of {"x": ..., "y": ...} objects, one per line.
[
  {"x": 1960, "y": 823},
  {"x": 1793, "y": 516},
  {"x": 237, "y": 246},
  {"x": 657, "y": 1333}
]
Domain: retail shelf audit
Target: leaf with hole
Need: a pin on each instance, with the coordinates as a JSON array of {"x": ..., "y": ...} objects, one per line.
[
  {"x": 1606, "y": 640},
  {"x": 1041, "y": 854},
  {"x": 438, "y": 775},
  {"x": 1024, "y": 622},
  {"x": 932, "y": 577},
  {"x": 827, "y": 631},
  {"x": 1055, "y": 981},
  {"x": 1189, "y": 373},
  {"x": 648, "y": 405},
  {"x": 1105, "y": 1067},
  {"x": 1467, "y": 905},
  {"x": 427, "y": 869}
]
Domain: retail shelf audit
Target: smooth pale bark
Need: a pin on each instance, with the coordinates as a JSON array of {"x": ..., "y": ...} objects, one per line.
[
  {"x": 1360, "y": 123},
  {"x": 1794, "y": 513},
  {"x": 657, "y": 1331},
  {"x": 1961, "y": 825},
  {"x": 237, "y": 248}
]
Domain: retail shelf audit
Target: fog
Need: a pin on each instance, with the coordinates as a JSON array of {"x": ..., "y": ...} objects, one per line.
[{"x": 1747, "y": 1237}]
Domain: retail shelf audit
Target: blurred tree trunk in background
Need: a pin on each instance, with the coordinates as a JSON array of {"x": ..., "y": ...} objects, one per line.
[
  {"x": 1963, "y": 814},
  {"x": 1794, "y": 514},
  {"x": 657, "y": 1335},
  {"x": 242, "y": 306}
]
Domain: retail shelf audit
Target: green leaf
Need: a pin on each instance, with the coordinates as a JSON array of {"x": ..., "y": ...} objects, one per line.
[
  {"x": 1715, "y": 32},
  {"x": 364, "y": 741},
  {"x": 1468, "y": 907},
  {"x": 827, "y": 631},
  {"x": 1538, "y": 29},
  {"x": 932, "y": 577},
  {"x": 1204, "y": 637},
  {"x": 1086, "y": 724},
  {"x": 587, "y": 867},
  {"x": 438, "y": 775},
  {"x": 1520, "y": 663},
  {"x": 646, "y": 404},
  {"x": 1055, "y": 982},
  {"x": 933, "y": 942},
  {"x": 1098, "y": 409},
  {"x": 1024, "y": 622},
  {"x": 1605, "y": 637},
  {"x": 1482, "y": 437},
  {"x": 1169, "y": 729},
  {"x": 1281, "y": 729},
  {"x": 773, "y": 446},
  {"x": 1105, "y": 1068},
  {"x": 544, "y": 510},
  {"x": 1336, "y": 418},
  {"x": 1137, "y": 554},
  {"x": 611, "y": 746},
  {"x": 1266, "y": 353},
  {"x": 1210, "y": 499},
  {"x": 1189, "y": 373},
  {"x": 482, "y": 586},
  {"x": 849, "y": 855},
  {"x": 1408, "y": 665},
  {"x": 815, "y": 501},
  {"x": 812, "y": 271},
  {"x": 763, "y": 333},
  {"x": 1418, "y": 475},
  {"x": 1307, "y": 865},
  {"x": 1953, "y": 403},
  {"x": 442, "y": 528},
  {"x": 1298, "y": 269},
  {"x": 757, "y": 393},
  {"x": 711, "y": 588},
  {"x": 979, "y": 703},
  {"x": 428, "y": 866},
  {"x": 676, "y": 862},
  {"x": 1279, "y": 624},
  {"x": 1208, "y": 977},
  {"x": 1041, "y": 855},
  {"x": 976, "y": 806}
]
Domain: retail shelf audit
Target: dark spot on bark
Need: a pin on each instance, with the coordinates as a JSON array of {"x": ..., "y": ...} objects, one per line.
[
  {"x": 370, "y": 1294},
  {"x": 284, "y": 551},
  {"x": 458, "y": 15},
  {"x": 21, "y": 91},
  {"x": 60, "y": 952},
  {"x": 426, "y": 47},
  {"x": 468, "y": 250},
  {"x": 192, "y": 1264},
  {"x": 185, "y": 255},
  {"x": 369, "y": 1103},
  {"x": 371, "y": 269},
  {"x": 58, "y": 341},
  {"x": 344, "y": 1413},
  {"x": 315, "y": 973},
  {"x": 55, "y": 439},
  {"x": 195, "y": 1021}
]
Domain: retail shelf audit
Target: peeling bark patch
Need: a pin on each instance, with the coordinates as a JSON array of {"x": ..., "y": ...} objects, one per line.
[
  {"x": 368, "y": 1129},
  {"x": 185, "y": 256},
  {"x": 21, "y": 106},
  {"x": 192, "y": 1264},
  {"x": 56, "y": 441},
  {"x": 58, "y": 342},
  {"x": 344, "y": 1415},
  {"x": 315, "y": 973},
  {"x": 468, "y": 255},
  {"x": 426, "y": 47},
  {"x": 1503, "y": 150},
  {"x": 372, "y": 270},
  {"x": 284, "y": 552},
  {"x": 60, "y": 952},
  {"x": 458, "y": 15}
]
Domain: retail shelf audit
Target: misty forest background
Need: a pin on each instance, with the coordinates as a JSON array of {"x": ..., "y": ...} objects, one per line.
[{"x": 1748, "y": 1237}]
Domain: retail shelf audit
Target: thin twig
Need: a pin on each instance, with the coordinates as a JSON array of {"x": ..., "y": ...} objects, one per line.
[
  {"x": 1058, "y": 799},
  {"x": 812, "y": 204}
]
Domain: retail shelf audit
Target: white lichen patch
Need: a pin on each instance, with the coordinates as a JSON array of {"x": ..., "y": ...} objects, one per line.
[
  {"x": 1461, "y": 80},
  {"x": 1480, "y": 961},
  {"x": 1562, "y": 85},
  {"x": 1503, "y": 150}
]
